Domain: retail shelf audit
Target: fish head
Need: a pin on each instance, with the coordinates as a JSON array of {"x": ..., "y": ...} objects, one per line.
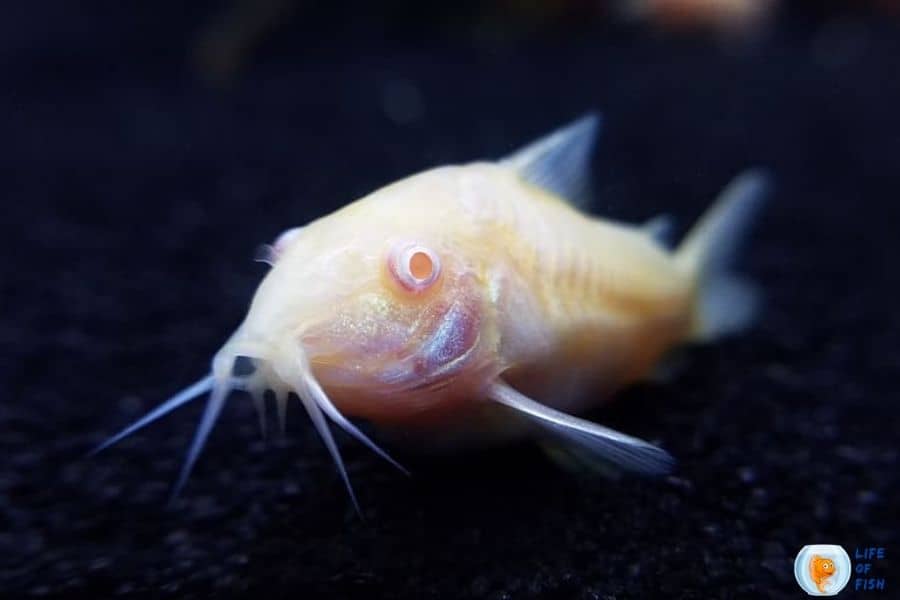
[
  {"x": 384, "y": 300},
  {"x": 822, "y": 566}
]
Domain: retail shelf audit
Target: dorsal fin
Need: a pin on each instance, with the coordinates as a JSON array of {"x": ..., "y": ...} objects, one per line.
[{"x": 560, "y": 162}]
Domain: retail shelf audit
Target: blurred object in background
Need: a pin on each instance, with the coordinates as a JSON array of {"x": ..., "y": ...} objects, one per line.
[
  {"x": 729, "y": 18},
  {"x": 226, "y": 43}
]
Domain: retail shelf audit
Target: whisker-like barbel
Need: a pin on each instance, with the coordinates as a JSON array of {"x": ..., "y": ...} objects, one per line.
[
  {"x": 324, "y": 402},
  {"x": 321, "y": 425},
  {"x": 189, "y": 393},
  {"x": 214, "y": 405}
]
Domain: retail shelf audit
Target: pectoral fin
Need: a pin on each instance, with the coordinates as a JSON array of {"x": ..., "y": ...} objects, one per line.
[{"x": 588, "y": 440}]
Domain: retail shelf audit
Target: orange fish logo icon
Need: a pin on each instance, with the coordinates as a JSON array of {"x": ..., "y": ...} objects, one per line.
[{"x": 822, "y": 569}]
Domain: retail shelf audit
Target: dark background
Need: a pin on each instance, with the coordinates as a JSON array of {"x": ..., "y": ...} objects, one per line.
[{"x": 137, "y": 177}]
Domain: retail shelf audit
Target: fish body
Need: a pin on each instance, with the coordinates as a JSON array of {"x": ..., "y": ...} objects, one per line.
[
  {"x": 480, "y": 301},
  {"x": 820, "y": 570}
]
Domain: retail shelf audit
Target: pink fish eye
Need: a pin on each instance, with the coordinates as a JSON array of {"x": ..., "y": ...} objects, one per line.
[{"x": 415, "y": 267}]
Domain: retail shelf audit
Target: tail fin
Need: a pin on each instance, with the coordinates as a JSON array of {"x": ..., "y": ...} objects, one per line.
[{"x": 725, "y": 302}]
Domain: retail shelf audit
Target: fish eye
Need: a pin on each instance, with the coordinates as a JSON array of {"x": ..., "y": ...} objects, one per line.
[{"x": 414, "y": 266}]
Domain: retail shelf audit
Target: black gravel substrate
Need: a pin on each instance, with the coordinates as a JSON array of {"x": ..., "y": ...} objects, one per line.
[{"x": 133, "y": 196}]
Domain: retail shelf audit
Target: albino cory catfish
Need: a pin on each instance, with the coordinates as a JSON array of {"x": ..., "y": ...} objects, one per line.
[{"x": 477, "y": 302}]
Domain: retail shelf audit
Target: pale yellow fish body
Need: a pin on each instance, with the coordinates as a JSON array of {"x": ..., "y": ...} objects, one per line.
[
  {"x": 476, "y": 302},
  {"x": 574, "y": 306}
]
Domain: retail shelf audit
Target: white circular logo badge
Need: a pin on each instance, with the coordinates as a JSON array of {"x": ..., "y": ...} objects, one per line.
[{"x": 822, "y": 569}]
